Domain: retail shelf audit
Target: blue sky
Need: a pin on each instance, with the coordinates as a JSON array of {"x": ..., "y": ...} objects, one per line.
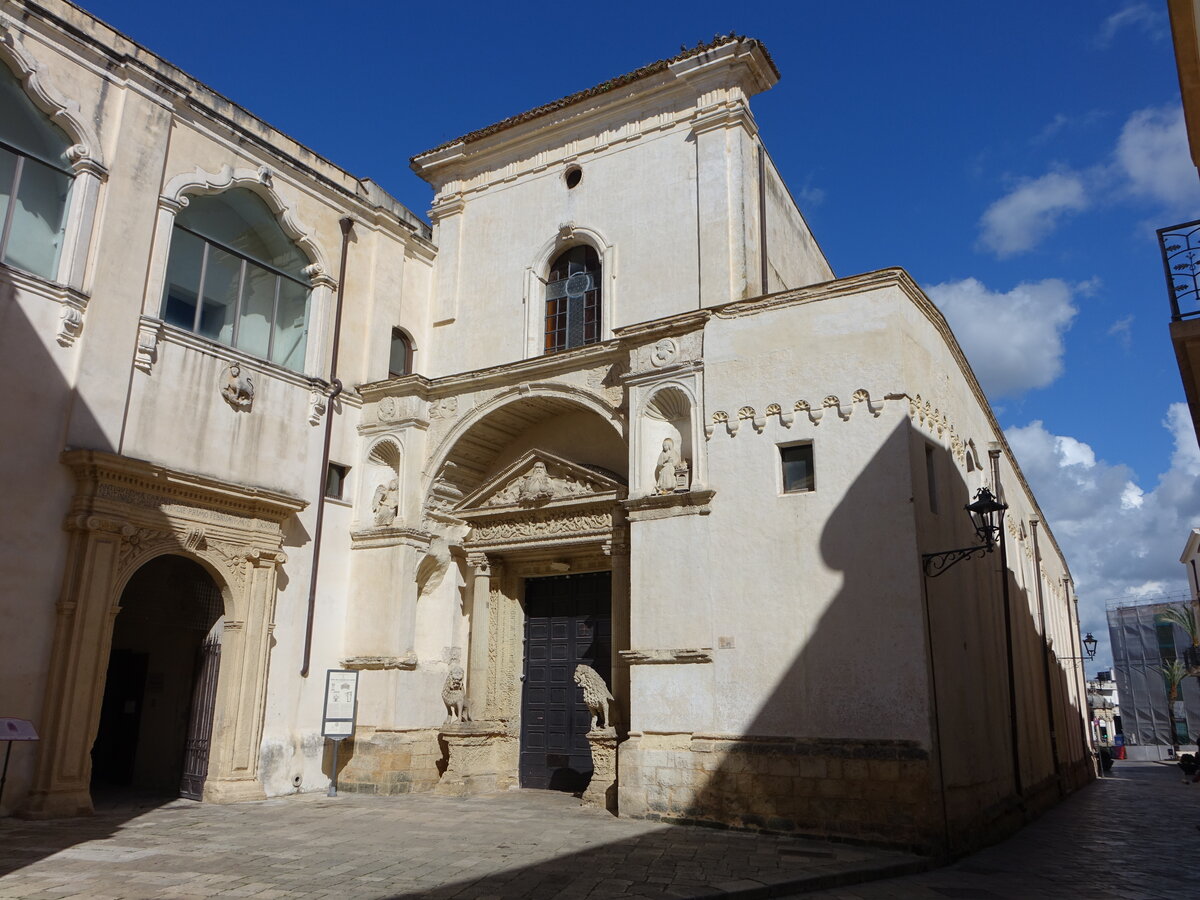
[{"x": 1016, "y": 158}]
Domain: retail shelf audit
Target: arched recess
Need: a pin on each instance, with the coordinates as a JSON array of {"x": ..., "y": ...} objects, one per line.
[
  {"x": 667, "y": 416},
  {"x": 261, "y": 182},
  {"x": 84, "y": 155},
  {"x": 125, "y": 513},
  {"x": 466, "y": 454},
  {"x": 164, "y": 660},
  {"x": 382, "y": 487},
  {"x": 668, "y": 410},
  {"x": 568, "y": 235}
]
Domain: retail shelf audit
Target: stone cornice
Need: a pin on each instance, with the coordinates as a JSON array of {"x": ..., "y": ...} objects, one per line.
[{"x": 95, "y": 468}]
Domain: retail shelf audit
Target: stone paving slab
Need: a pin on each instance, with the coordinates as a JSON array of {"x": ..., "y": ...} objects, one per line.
[
  {"x": 516, "y": 844},
  {"x": 1132, "y": 836}
]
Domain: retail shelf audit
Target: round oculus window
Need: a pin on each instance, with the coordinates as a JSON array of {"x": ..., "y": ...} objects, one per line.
[{"x": 573, "y": 176}]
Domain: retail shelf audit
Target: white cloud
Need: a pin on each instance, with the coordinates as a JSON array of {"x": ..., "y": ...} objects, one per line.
[
  {"x": 1152, "y": 156},
  {"x": 1122, "y": 330},
  {"x": 1134, "y": 15},
  {"x": 1119, "y": 538},
  {"x": 1031, "y": 318},
  {"x": 1020, "y": 219}
]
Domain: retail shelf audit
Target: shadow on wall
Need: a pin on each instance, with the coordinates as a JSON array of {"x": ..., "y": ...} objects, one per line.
[
  {"x": 878, "y": 780},
  {"x": 43, "y": 410}
]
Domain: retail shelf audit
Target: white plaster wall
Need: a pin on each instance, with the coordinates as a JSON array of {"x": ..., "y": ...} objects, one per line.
[
  {"x": 504, "y": 228},
  {"x": 89, "y": 395}
]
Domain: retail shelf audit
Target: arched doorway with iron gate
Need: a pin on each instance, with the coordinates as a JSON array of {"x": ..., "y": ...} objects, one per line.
[{"x": 160, "y": 688}]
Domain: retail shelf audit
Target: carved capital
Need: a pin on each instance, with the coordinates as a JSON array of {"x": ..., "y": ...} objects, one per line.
[
  {"x": 145, "y": 355},
  {"x": 70, "y": 325}
]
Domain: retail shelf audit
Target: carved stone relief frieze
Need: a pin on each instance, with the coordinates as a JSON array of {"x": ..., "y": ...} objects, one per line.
[
  {"x": 668, "y": 352},
  {"x": 786, "y": 414},
  {"x": 607, "y": 380},
  {"x": 539, "y": 485},
  {"x": 934, "y": 421},
  {"x": 541, "y": 525}
]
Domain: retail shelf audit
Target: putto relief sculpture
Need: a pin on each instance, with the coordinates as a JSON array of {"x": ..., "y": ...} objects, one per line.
[
  {"x": 386, "y": 502},
  {"x": 595, "y": 694},
  {"x": 454, "y": 696}
]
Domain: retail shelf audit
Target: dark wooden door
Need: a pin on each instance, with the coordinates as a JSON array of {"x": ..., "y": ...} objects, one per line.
[
  {"x": 568, "y": 620},
  {"x": 200, "y": 719}
]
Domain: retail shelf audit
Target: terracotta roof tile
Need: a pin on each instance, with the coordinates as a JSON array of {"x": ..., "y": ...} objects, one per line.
[{"x": 602, "y": 88}]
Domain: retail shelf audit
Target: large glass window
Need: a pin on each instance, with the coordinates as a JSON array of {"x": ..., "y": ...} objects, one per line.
[
  {"x": 235, "y": 277},
  {"x": 34, "y": 182},
  {"x": 573, "y": 299}
]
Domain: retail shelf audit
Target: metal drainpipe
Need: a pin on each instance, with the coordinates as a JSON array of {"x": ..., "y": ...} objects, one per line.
[
  {"x": 1037, "y": 577},
  {"x": 347, "y": 225},
  {"x": 1018, "y": 785}
]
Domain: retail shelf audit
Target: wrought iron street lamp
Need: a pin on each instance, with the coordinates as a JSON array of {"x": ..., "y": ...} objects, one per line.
[
  {"x": 987, "y": 515},
  {"x": 1089, "y": 645}
]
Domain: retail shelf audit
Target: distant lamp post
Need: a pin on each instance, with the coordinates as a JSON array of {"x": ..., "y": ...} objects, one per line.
[{"x": 987, "y": 515}]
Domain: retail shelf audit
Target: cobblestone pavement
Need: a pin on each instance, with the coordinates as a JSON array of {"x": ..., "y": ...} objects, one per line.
[
  {"x": 1131, "y": 836},
  {"x": 518, "y": 844}
]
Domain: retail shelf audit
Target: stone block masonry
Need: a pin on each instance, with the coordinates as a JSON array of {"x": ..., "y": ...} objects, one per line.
[
  {"x": 877, "y": 791},
  {"x": 391, "y": 762}
]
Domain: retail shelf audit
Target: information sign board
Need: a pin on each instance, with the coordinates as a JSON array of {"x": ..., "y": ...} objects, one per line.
[{"x": 341, "y": 696}]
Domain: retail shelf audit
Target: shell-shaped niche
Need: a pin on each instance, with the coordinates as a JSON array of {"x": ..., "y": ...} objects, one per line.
[
  {"x": 666, "y": 431},
  {"x": 381, "y": 484}
]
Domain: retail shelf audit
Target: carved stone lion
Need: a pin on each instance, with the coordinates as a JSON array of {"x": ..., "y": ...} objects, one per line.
[
  {"x": 453, "y": 696},
  {"x": 237, "y": 387},
  {"x": 595, "y": 694}
]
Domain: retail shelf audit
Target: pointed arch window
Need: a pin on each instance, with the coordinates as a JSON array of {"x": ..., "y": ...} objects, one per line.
[
  {"x": 35, "y": 181},
  {"x": 573, "y": 299},
  {"x": 234, "y": 276}
]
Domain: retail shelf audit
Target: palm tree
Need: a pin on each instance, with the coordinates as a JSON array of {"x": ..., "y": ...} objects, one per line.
[
  {"x": 1173, "y": 674},
  {"x": 1185, "y": 618}
]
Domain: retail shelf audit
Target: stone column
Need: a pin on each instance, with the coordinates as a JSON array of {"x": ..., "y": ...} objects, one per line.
[
  {"x": 482, "y": 569},
  {"x": 602, "y": 789},
  {"x": 618, "y": 551},
  {"x": 242, "y": 685},
  {"x": 75, "y": 685}
]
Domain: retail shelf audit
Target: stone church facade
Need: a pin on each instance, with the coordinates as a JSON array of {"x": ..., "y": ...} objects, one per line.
[{"x": 611, "y": 407}]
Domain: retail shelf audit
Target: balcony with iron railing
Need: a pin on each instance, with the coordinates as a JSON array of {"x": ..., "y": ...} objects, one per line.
[{"x": 1180, "y": 247}]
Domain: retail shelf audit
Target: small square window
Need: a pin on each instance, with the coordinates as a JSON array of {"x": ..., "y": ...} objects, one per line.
[
  {"x": 797, "y": 461},
  {"x": 335, "y": 481}
]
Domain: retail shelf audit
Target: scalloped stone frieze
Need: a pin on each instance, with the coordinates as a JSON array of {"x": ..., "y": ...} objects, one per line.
[{"x": 786, "y": 414}]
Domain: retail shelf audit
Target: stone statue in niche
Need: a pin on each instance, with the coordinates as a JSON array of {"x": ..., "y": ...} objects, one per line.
[
  {"x": 537, "y": 484},
  {"x": 595, "y": 694},
  {"x": 664, "y": 470},
  {"x": 237, "y": 387},
  {"x": 454, "y": 697},
  {"x": 385, "y": 505}
]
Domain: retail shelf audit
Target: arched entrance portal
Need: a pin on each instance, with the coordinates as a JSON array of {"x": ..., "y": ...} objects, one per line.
[{"x": 159, "y": 693}]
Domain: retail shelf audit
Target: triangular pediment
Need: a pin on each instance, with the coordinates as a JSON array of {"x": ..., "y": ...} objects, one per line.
[{"x": 537, "y": 479}]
